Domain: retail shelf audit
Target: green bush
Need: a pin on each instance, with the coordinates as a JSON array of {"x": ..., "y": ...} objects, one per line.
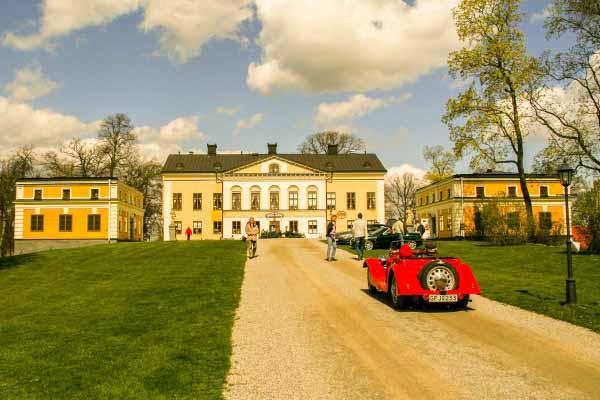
[
  {"x": 501, "y": 223},
  {"x": 586, "y": 214}
]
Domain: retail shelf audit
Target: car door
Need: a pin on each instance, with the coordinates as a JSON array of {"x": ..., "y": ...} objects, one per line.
[
  {"x": 386, "y": 239},
  {"x": 378, "y": 273}
]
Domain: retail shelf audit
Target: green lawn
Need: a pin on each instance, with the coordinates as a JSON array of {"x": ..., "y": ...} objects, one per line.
[
  {"x": 532, "y": 277},
  {"x": 120, "y": 321}
]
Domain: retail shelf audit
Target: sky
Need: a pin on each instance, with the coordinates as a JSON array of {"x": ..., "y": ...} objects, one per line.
[{"x": 238, "y": 73}]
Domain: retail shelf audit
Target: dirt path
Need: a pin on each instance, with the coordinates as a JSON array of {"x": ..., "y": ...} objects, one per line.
[{"x": 307, "y": 329}]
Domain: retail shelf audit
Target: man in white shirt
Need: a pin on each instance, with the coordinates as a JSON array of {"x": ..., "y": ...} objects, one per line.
[
  {"x": 360, "y": 233},
  {"x": 398, "y": 228}
]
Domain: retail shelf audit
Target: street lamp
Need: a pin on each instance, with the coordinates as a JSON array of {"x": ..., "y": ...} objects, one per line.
[{"x": 565, "y": 173}]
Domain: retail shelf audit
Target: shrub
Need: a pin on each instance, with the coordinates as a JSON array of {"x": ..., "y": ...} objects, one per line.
[
  {"x": 586, "y": 213},
  {"x": 501, "y": 223}
]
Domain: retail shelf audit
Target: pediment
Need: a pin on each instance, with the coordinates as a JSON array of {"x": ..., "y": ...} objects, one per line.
[{"x": 265, "y": 166}]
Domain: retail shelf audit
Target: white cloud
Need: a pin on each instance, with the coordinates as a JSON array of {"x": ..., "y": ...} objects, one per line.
[
  {"x": 183, "y": 26},
  {"x": 186, "y": 25},
  {"x": 403, "y": 169},
  {"x": 355, "y": 45},
  {"x": 159, "y": 142},
  {"x": 30, "y": 84},
  {"x": 62, "y": 17},
  {"x": 21, "y": 124},
  {"x": 540, "y": 16},
  {"x": 249, "y": 122},
  {"x": 231, "y": 111},
  {"x": 356, "y": 106}
]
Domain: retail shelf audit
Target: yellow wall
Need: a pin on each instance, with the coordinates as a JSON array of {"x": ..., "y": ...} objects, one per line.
[
  {"x": 51, "y": 218},
  {"x": 345, "y": 184},
  {"x": 54, "y": 191}
]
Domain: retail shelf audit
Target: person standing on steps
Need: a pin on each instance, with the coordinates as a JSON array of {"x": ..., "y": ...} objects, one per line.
[
  {"x": 331, "y": 244},
  {"x": 252, "y": 237},
  {"x": 360, "y": 233},
  {"x": 188, "y": 233}
]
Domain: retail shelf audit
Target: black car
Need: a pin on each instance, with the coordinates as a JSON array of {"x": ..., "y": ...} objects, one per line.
[
  {"x": 343, "y": 237},
  {"x": 383, "y": 237}
]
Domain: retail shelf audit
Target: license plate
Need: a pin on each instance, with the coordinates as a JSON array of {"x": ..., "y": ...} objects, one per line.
[{"x": 442, "y": 298}]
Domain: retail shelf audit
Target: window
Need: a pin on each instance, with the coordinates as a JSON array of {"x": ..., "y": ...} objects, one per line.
[
  {"x": 274, "y": 200},
  {"x": 217, "y": 201},
  {"x": 255, "y": 200},
  {"x": 65, "y": 223},
  {"x": 371, "y": 200},
  {"x": 197, "y": 227},
  {"x": 331, "y": 200},
  {"x": 449, "y": 193},
  {"x": 37, "y": 194},
  {"x": 178, "y": 227},
  {"x": 294, "y": 226},
  {"x": 274, "y": 168},
  {"x": 427, "y": 199},
  {"x": 513, "y": 220},
  {"x": 94, "y": 223},
  {"x": 433, "y": 197},
  {"x": 312, "y": 200},
  {"x": 217, "y": 226},
  {"x": 312, "y": 226},
  {"x": 293, "y": 200},
  {"x": 441, "y": 196},
  {"x": 441, "y": 223},
  {"x": 94, "y": 194},
  {"x": 236, "y": 200},
  {"x": 480, "y": 192},
  {"x": 545, "y": 220},
  {"x": 177, "y": 202},
  {"x": 197, "y": 201},
  {"x": 37, "y": 223},
  {"x": 66, "y": 194},
  {"x": 236, "y": 227},
  {"x": 349, "y": 224},
  {"x": 420, "y": 201},
  {"x": 351, "y": 201},
  {"x": 543, "y": 191},
  {"x": 512, "y": 191}
]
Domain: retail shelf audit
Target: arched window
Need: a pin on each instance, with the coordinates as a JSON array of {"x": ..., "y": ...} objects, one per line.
[
  {"x": 236, "y": 198},
  {"x": 255, "y": 198},
  {"x": 293, "y": 197},
  {"x": 312, "y": 197},
  {"x": 274, "y": 197},
  {"x": 274, "y": 168}
]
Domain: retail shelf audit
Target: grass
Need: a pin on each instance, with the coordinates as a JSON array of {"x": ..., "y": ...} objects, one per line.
[
  {"x": 531, "y": 277},
  {"x": 120, "y": 321}
]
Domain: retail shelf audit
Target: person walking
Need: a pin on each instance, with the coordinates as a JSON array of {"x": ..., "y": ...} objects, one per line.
[
  {"x": 188, "y": 233},
  {"x": 251, "y": 237},
  {"x": 331, "y": 243},
  {"x": 398, "y": 228},
  {"x": 360, "y": 233},
  {"x": 421, "y": 228}
]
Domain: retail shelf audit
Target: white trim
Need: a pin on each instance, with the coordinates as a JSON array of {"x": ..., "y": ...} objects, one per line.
[
  {"x": 167, "y": 203},
  {"x": 380, "y": 201}
]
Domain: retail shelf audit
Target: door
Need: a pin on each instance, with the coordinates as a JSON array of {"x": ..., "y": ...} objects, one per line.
[{"x": 274, "y": 226}]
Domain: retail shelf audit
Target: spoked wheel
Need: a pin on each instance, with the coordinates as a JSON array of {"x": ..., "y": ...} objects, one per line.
[
  {"x": 398, "y": 302},
  {"x": 372, "y": 288},
  {"x": 369, "y": 245}
]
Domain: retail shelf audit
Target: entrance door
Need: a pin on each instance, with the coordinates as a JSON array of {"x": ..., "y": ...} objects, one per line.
[
  {"x": 131, "y": 228},
  {"x": 274, "y": 226}
]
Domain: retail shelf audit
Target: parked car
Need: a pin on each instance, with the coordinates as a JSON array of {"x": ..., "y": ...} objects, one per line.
[
  {"x": 343, "y": 237},
  {"x": 421, "y": 276},
  {"x": 383, "y": 237}
]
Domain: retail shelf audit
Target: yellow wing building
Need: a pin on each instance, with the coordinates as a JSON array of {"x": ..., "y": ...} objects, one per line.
[
  {"x": 75, "y": 211},
  {"x": 215, "y": 194},
  {"x": 448, "y": 208}
]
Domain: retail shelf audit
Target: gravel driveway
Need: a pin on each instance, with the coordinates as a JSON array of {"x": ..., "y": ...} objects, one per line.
[{"x": 307, "y": 329}]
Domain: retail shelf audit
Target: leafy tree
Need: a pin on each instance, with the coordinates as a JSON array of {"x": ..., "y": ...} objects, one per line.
[
  {"x": 317, "y": 143},
  {"x": 487, "y": 120},
  {"x": 586, "y": 213},
  {"x": 568, "y": 103},
  {"x": 117, "y": 141},
  {"x": 401, "y": 196},
  {"x": 17, "y": 166},
  {"x": 441, "y": 162}
]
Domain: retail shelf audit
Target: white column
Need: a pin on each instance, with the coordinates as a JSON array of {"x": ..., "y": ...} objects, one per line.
[
  {"x": 380, "y": 199},
  {"x": 167, "y": 202}
]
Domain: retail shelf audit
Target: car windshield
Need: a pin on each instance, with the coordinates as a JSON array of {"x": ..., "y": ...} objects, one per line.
[{"x": 379, "y": 230}]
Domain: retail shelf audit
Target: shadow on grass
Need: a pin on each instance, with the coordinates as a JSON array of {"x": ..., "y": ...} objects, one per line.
[
  {"x": 418, "y": 307},
  {"x": 16, "y": 261},
  {"x": 534, "y": 295}
]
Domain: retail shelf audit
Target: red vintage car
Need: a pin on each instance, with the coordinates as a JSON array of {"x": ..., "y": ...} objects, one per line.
[{"x": 421, "y": 276}]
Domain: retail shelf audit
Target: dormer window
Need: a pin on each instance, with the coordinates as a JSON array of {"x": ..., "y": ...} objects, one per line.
[
  {"x": 274, "y": 168},
  {"x": 179, "y": 166}
]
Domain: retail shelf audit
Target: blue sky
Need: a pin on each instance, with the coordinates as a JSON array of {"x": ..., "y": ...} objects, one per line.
[{"x": 116, "y": 66}]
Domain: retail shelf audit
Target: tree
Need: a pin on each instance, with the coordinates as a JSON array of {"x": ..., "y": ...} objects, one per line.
[
  {"x": 401, "y": 196},
  {"x": 76, "y": 158},
  {"x": 17, "y": 166},
  {"x": 486, "y": 121},
  {"x": 586, "y": 214},
  {"x": 441, "y": 162},
  {"x": 317, "y": 143},
  {"x": 568, "y": 103},
  {"x": 117, "y": 141}
]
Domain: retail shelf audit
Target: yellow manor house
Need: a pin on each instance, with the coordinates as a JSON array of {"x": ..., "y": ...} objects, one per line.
[
  {"x": 75, "y": 211},
  {"x": 215, "y": 194},
  {"x": 449, "y": 207}
]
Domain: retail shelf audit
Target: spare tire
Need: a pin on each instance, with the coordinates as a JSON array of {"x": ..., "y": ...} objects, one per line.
[{"x": 438, "y": 275}]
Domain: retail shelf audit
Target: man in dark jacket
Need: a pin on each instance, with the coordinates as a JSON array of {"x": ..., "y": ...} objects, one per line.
[{"x": 331, "y": 245}]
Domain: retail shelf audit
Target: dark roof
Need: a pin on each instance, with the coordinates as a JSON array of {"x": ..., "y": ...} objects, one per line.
[
  {"x": 338, "y": 162},
  {"x": 69, "y": 178}
]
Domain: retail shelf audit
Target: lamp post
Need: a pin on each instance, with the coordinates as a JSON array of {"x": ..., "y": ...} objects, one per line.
[{"x": 565, "y": 173}]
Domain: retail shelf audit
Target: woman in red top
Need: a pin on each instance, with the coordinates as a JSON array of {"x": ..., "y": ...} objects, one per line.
[{"x": 188, "y": 233}]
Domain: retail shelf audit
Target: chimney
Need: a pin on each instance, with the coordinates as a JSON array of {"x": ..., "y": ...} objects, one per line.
[
  {"x": 212, "y": 149},
  {"x": 332, "y": 149},
  {"x": 272, "y": 148}
]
